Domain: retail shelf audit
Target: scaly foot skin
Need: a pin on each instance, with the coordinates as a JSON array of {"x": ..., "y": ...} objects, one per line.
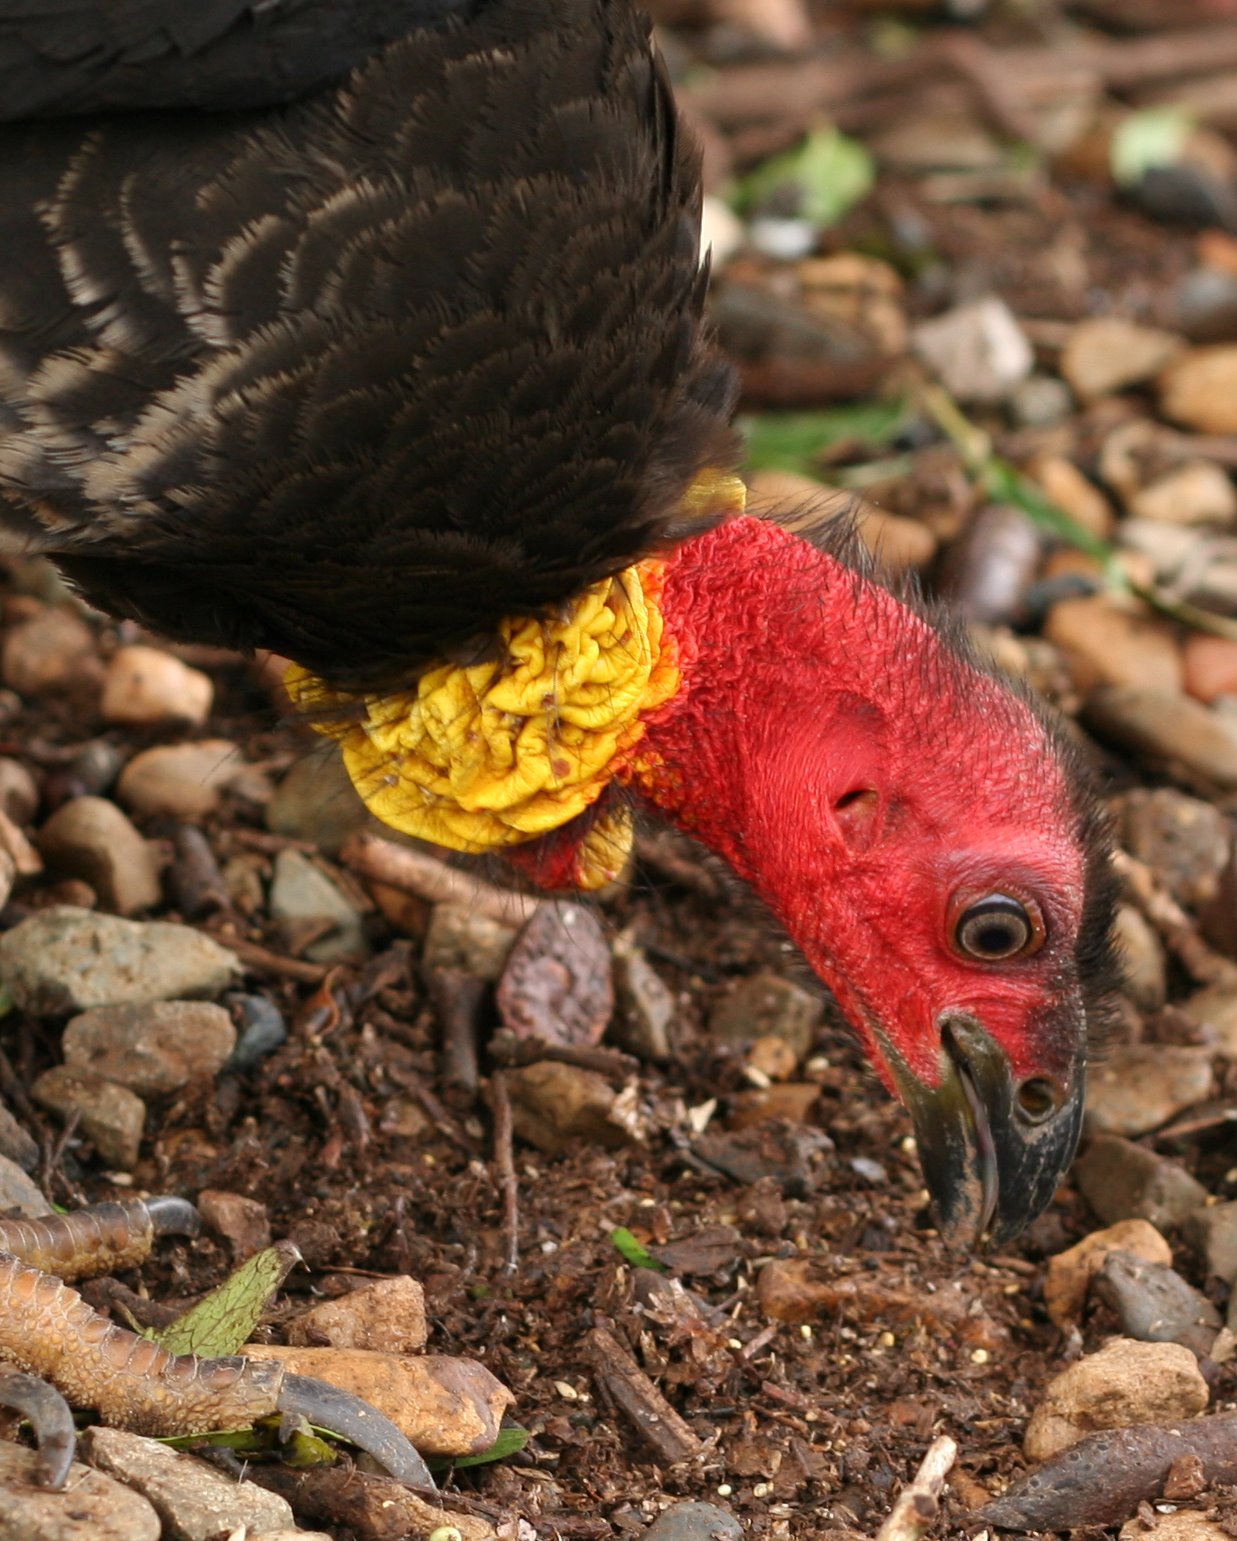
[{"x": 48, "y": 1330}]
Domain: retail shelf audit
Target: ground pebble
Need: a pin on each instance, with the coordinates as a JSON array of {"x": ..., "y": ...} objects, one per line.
[
  {"x": 19, "y": 792},
  {"x": 244, "y": 1223},
  {"x": 1137, "y": 1087},
  {"x": 1167, "y": 729},
  {"x": 1181, "y": 838},
  {"x": 1213, "y": 1232},
  {"x": 183, "y": 781},
  {"x": 765, "y": 1004},
  {"x": 977, "y": 351},
  {"x": 302, "y": 892},
  {"x": 1184, "y": 1525},
  {"x": 261, "y": 1030},
  {"x": 694, "y": 1522},
  {"x": 153, "y": 1049},
  {"x": 1070, "y": 1272},
  {"x": 145, "y": 685},
  {"x": 646, "y": 1003},
  {"x": 1197, "y": 492},
  {"x": 1154, "y": 1304},
  {"x": 93, "y": 1506},
  {"x": 52, "y": 650},
  {"x": 460, "y": 937},
  {"x": 111, "y": 1117},
  {"x": 1210, "y": 666},
  {"x": 90, "y": 838},
  {"x": 1199, "y": 389},
  {"x": 553, "y": 1106},
  {"x": 1105, "y": 354},
  {"x": 1143, "y": 968},
  {"x": 1125, "y": 1382},
  {"x": 386, "y": 1314},
  {"x": 1214, "y": 1009},
  {"x": 1123, "y": 1181},
  {"x": 19, "y": 1194},
  {"x": 68, "y": 959},
  {"x": 317, "y": 801},
  {"x": 195, "y": 1502},
  {"x": 1106, "y": 642}
]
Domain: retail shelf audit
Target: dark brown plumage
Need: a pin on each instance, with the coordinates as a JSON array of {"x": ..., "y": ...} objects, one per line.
[{"x": 353, "y": 378}]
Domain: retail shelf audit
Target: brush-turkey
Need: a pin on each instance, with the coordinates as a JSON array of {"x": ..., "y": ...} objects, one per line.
[{"x": 373, "y": 335}]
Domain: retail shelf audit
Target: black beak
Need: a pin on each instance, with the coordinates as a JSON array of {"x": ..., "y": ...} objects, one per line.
[{"x": 992, "y": 1148}]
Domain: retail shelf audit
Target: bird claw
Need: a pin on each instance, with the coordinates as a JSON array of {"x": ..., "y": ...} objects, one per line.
[
  {"x": 340, "y": 1412},
  {"x": 51, "y": 1419}
]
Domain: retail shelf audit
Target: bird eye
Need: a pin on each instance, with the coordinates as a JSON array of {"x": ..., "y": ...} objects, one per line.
[{"x": 998, "y": 927}]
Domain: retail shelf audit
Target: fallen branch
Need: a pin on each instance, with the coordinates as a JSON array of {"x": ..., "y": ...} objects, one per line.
[
  {"x": 918, "y": 1504},
  {"x": 622, "y": 1380},
  {"x": 415, "y": 873}
]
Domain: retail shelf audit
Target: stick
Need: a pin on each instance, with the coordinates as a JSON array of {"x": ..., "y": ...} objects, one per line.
[
  {"x": 1204, "y": 965},
  {"x": 635, "y": 1395},
  {"x": 504, "y": 1163},
  {"x": 427, "y": 877},
  {"x": 918, "y": 1504}
]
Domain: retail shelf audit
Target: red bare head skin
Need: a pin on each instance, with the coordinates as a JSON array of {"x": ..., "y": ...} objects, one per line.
[{"x": 873, "y": 785}]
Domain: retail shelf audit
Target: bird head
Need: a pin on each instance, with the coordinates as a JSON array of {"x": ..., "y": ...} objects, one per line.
[{"x": 925, "y": 836}]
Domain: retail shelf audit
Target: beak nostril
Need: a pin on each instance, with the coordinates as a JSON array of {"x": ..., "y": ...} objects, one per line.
[{"x": 1038, "y": 1098}]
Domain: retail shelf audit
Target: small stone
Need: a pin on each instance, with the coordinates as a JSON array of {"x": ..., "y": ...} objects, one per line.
[
  {"x": 242, "y": 1222},
  {"x": 1043, "y": 401},
  {"x": 1184, "y": 1525},
  {"x": 977, "y": 351},
  {"x": 21, "y": 1195},
  {"x": 1213, "y": 1232},
  {"x": 183, "y": 781},
  {"x": 1210, "y": 666},
  {"x": 92, "y": 1507},
  {"x": 302, "y": 892},
  {"x": 317, "y": 801},
  {"x": 721, "y": 230},
  {"x": 558, "y": 981},
  {"x": 765, "y": 1004},
  {"x": 989, "y": 567},
  {"x": 1154, "y": 1304},
  {"x": 1072, "y": 492},
  {"x": 555, "y": 1105},
  {"x": 1125, "y": 1382},
  {"x": 1106, "y": 354},
  {"x": 1199, "y": 389},
  {"x": 694, "y": 1522},
  {"x": 1214, "y": 1009},
  {"x": 795, "y": 1101},
  {"x": 1183, "y": 839},
  {"x": 1167, "y": 547},
  {"x": 773, "y": 1058},
  {"x": 1105, "y": 642},
  {"x": 195, "y": 1502},
  {"x": 1070, "y": 1273},
  {"x": 19, "y": 792},
  {"x": 646, "y": 1003},
  {"x": 91, "y": 839},
  {"x": 1168, "y": 730},
  {"x": 145, "y": 685},
  {"x": 260, "y": 1030},
  {"x": 52, "y": 651},
  {"x": 153, "y": 1049},
  {"x": 1197, "y": 492},
  {"x": 1122, "y": 1181},
  {"x": 459, "y": 937},
  {"x": 110, "y": 1116},
  {"x": 856, "y": 290},
  {"x": 16, "y": 1144},
  {"x": 387, "y": 1315},
  {"x": 1137, "y": 1087},
  {"x": 445, "y": 1406},
  {"x": 67, "y": 959},
  {"x": 1144, "y": 972}
]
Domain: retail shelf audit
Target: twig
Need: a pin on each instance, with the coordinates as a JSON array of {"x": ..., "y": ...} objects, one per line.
[
  {"x": 414, "y": 873},
  {"x": 504, "y": 1165},
  {"x": 264, "y": 961},
  {"x": 507, "y": 1049},
  {"x": 635, "y": 1395},
  {"x": 457, "y": 998},
  {"x": 918, "y": 1504}
]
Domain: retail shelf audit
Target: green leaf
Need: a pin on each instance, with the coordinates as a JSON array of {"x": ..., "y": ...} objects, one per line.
[
  {"x": 633, "y": 1251},
  {"x": 224, "y": 1320},
  {"x": 1156, "y": 136},
  {"x": 511, "y": 1439},
  {"x": 303, "y": 1447},
  {"x": 793, "y": 441},
  {"x": 819, "y": 180}
]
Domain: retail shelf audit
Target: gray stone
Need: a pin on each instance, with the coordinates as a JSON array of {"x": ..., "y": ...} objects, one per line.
[
  {"x": 19, "y": 1193},
  {"x": 52, "y": 650},
  {"x": 1140, "y": 1086},
  {"x": 460, "y": 937},
  {"x": 19, "y": 792},
  {"x": 90, "y": 838},
  {"x": 1122, "y": 1181},
  {"x": 262, "y": 1030},
  {"x": 646, "y": 1003},
  {"x": 768, "y": 1005},
  {"x": 153, "y": 1049},
  {"x": 1214, "y": 1010},
  {"x": 316, "y": 801},
  {"x": 301, "y": 891},
  {"x": 1213, "y": 1231},
  {"x": 68, "y": 959},
  {"x": 194, "y": 1501},
  {"x": 1154, "y": 1304},
  {"x": 694, "y": 1522},
  {"x": 182, "y": 781},
  {"x": 977, "y": 351},
  {"x": 110, "y": 1116},
  {"x": 15, "y": 1143},
  {"x": 1181, "y": 838},
  {"x": 93, "y": 1507}
]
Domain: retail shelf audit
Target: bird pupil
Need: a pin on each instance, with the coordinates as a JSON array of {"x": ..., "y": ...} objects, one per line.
[{"x": 996, "y": 939}]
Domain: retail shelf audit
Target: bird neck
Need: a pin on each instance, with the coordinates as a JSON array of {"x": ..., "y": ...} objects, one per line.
[{"x": 786, "y": 654}]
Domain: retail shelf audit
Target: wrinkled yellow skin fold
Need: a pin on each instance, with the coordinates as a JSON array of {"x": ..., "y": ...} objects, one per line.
[{"x": 490, "y": 755}]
